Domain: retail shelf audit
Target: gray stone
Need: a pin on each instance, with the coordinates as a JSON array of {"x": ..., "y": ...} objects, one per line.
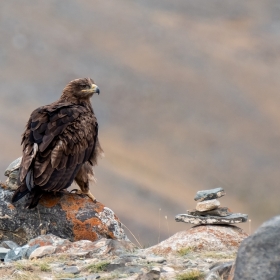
[
  {"x": 12, "y": 172},
  {"x": 219, "y": 270},
  {"x": 9, "y": 244},
  {"x": 212, "y": 220},
  {"x": 11, "y": 256},
  {"x": 153, "y": 274},
  {"x": 167, "y": 269},
  {"x": 207, "y": 205},
  {"x": 259, "y": 255},
  {"x": 220, "y": 211},
  {"x": 209, "y": 194},
  {"x": 42, "y": 251},
  {"x": 71, "y": 269},
  {"x": 155, "y": 259},
  {"x": 3, "y": 252},
  {"x": 93, "y": 276}
]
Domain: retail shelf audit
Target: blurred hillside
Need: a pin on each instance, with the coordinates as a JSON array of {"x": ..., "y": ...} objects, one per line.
[{"x": 189, "y": 98}]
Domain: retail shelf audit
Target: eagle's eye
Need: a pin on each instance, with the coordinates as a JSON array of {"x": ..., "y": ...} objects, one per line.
[{"x": 85, "y": 86}]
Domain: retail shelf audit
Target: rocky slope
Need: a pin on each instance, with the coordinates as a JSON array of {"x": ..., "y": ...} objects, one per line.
[{"x": 190, "y": 253}]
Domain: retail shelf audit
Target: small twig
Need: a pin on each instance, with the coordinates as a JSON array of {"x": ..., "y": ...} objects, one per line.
[
  {"x": 249, "y": 226},
  {"x": 167, "y": 226},
  {"x": 132, "y": 235},
  {"x": 159, "y": 224}
]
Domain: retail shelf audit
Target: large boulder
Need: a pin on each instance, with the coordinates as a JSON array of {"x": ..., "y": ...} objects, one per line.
[
  {"x": 258, "y": 257},
  {"x": 67, "y": 215},
  {"x": 202, "y": 238}
]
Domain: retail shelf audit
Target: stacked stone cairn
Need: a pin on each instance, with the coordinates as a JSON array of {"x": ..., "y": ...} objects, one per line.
[{"x": 209, "y": 212}]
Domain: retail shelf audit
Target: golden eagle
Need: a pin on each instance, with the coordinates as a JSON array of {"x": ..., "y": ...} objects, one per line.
[{"x": 60, "y": 144}]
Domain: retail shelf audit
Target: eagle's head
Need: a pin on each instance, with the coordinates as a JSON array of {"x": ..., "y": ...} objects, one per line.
[{"x": 80, "y": 90}]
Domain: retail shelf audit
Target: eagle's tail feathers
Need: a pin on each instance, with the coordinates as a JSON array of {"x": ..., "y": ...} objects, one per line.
[
  {"x": 34, "y": 198},
  {"x": 19, "y": 193}
]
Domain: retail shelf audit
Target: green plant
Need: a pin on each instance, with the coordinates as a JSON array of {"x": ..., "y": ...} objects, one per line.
[
  {"x": 25, "y": 276},
  {"x": 23, "y": 266},
  {"x": 44, "y": 267},
  {"x": 191, "y": 275},
  {"x": 219, "y": 255},
  {"x": 98, "y": 267},
  {"x": 184, "y": 251}
]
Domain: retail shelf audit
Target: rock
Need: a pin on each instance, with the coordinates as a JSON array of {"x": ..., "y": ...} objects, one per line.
[
  {"x": 3, "y": 252},
  {"x": 84, "y": 247},
  {"x": 114, "y": 247},
  {"x": 11, "y": 256},
  {"x": 201, "y": 238},
  {"x": 9, "y": 244},
  {"x": 220, "y": 211},
  {"x": 42, "y": 251},
  {"x": 212, "y": 220},
  {"x": 93, "y": 277},
  {"x": 70, "y": 216},
  {"x": 258, "y": 255},
  {"x": 207, "y": 205},
  {"x": 209, "y": 194},
  {"x": 155, "y": 259},
  {"x": 219, "y": 271},
  {"x": 50, "y": 239},
  {"x": 167, "y": 269},
  {"x": 19, "y": 253},
  {"x": 12, "y": 172},
  {"x": 153, "y": 274},
  {"x": 71, "y": 269}
]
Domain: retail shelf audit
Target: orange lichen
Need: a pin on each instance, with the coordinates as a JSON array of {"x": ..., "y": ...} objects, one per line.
[
  {"x": 49, "y": 200},
  {"x": 71, "y": 203},
  {"x": 40, "y": 242},
  {"x": 11, "y": 206}
]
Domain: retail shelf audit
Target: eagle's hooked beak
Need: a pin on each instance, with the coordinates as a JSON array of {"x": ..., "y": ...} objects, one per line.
[{"x": 95, "y": 89}]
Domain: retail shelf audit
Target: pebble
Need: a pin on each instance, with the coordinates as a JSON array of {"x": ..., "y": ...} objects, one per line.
[
  {"x": 155, "y": 259},
  {"x": 207, "y": 205},
  {"x": 42, "y": 251},
  {"x": 93, "y": 276},
  {"x": 71, "y": 269},
  {"x": 167, "y": 269}
]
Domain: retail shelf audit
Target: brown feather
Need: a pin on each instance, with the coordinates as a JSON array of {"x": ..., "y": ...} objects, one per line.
[{"x": 66, "y": 132}]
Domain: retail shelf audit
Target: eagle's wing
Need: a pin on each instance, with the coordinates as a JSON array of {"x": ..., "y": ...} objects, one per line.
[{"x": 57, "y": 141}]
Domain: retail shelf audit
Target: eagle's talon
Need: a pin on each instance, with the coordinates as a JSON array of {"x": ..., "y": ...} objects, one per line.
[{"x": 76, "y": 191}]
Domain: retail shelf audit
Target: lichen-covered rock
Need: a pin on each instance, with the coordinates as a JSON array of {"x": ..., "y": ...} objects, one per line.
[
  {"x": 207, "y": 238},
  {"x": 67, "y": 215}
]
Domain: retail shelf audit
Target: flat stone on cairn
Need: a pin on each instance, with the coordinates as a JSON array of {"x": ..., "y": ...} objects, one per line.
[
  {"x": 207, "y": 205},
  {"x": 208, "y": 212},
  {"x": 209, "y": 194}
]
